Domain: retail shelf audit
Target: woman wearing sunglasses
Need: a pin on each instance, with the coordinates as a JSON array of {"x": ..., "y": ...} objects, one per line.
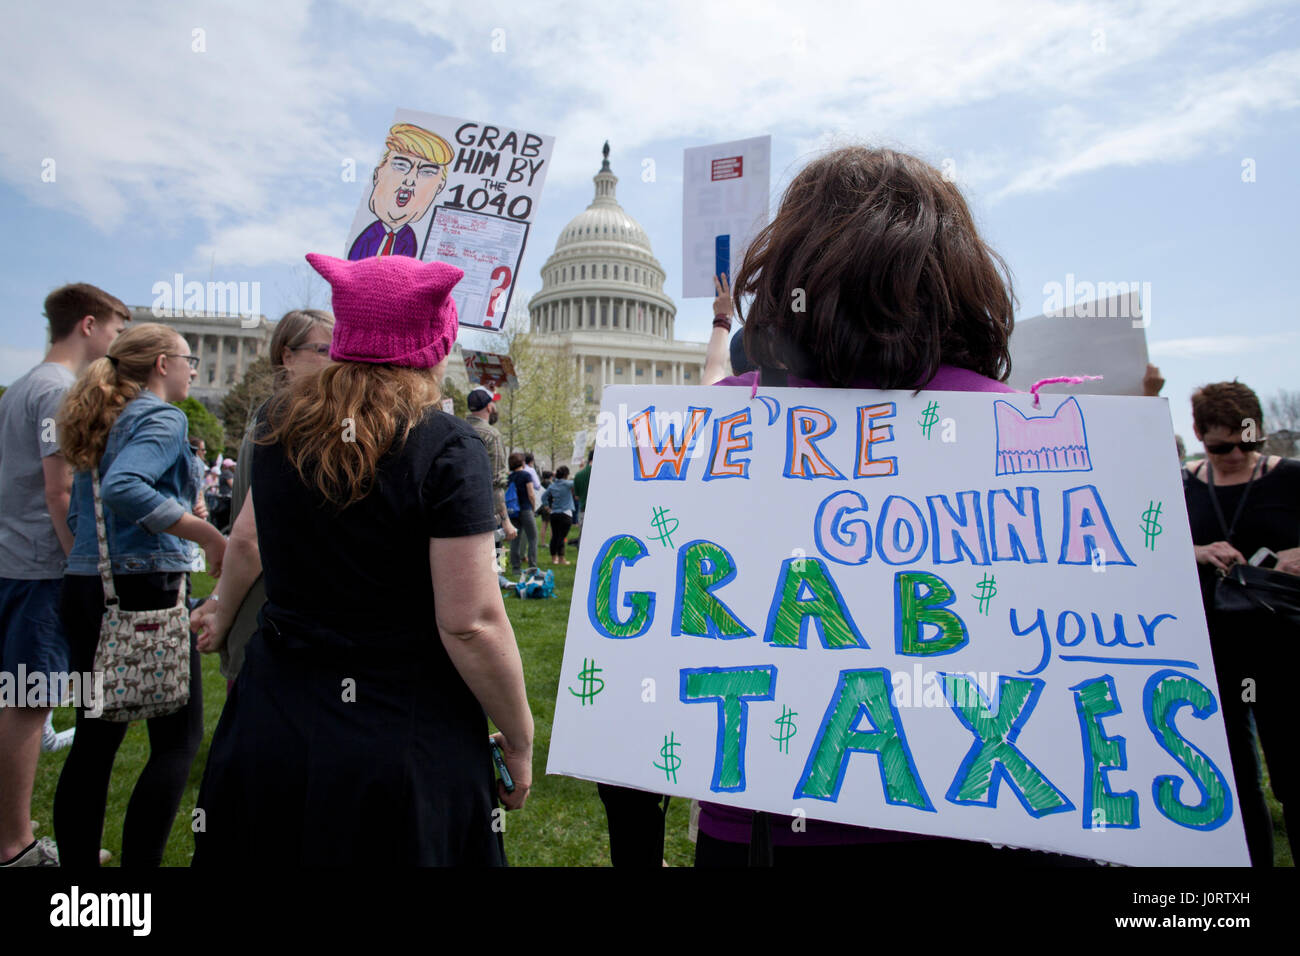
[
  {"x": 118, "y": 418},
  {"x": 1244, "y": 506}
]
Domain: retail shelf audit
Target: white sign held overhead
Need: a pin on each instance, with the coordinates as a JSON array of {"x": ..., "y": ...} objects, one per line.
[
  {"x": 725, "y": 189},
  {"x": 947, "y": 613},
  {"x": 1105, "y": 337}
]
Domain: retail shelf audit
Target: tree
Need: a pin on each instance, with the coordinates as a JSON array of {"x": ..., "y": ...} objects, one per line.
[
  {"x": 557, "y": 410},
  {"x": 449, "y": 390},
  {"x": 1282, "y": 422},
  {"x": 246, "y": 397},
  {"x": 203, "y": 424}
]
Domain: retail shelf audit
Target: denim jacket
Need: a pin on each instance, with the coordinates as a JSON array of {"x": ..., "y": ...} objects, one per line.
[{"x": 148, "y": 481}]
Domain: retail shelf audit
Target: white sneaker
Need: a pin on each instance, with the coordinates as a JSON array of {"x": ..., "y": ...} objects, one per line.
[
  {"x": 52, "y": 740},
  {"x": 41, "y": 853}
]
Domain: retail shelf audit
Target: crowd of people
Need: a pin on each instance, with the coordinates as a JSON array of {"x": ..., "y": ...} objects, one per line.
[{"x": 358, "y": 612}]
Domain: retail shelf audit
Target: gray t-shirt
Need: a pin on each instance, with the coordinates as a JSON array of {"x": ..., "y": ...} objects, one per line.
[{"x": 29, "y": 548}]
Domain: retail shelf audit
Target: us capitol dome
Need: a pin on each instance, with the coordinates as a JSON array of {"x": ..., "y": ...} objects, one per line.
[{"x": 603, "y": 299}]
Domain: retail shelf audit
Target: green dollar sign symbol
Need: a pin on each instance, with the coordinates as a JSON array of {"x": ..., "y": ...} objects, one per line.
[
  {"x": 589, "y": 679},
  {"x": 660, "y": 523},
  {"x": 988, "y": 589},
  {"x": 671, "y": 760},
  {"x": 930, "y": 418},
  {"x": 1151, "y": 524},
  {"x": 786, "y": 729}
]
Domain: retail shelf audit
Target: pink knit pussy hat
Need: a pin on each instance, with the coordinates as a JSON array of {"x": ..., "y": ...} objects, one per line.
[{"x": 390, "y": 310}]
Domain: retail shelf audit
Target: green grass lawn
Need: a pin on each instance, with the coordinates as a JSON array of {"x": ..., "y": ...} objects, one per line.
[{"x": 563, "y": 823}]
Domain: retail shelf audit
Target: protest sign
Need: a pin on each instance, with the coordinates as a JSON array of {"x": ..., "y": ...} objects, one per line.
[
  {"x": 724, "y": 204},
  {"x": 493, "y": 372},
  {"x": 1105, "y": 337},
  {"x": 461, "y": 192},
  {"x": 951, "y": 613}
]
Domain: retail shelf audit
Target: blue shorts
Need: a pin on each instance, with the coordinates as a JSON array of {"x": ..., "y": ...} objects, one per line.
[{"x": 31, "y": 632}]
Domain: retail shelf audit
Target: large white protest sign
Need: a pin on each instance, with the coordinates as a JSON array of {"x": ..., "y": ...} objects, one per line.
[
  {"x": 724, "y": 204},
  {"x": 949, "y": 613},
  {"x": 460, "y": 192},
  {"x": 1099, "y": 337}
]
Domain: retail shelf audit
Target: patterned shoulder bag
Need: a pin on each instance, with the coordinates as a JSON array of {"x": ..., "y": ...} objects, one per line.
[{"x": 143, "y": 655}]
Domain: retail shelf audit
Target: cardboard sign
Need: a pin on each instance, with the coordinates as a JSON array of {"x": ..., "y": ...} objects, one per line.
[
  {"x": 950, "y": 613},
  {"x": 461, "y": 192},
  {"x": 724, "y": 204},
  {"x": 1105, "y": 337}
]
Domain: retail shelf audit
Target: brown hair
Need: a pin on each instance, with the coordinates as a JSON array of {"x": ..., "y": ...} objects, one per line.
[
  {"x": 1228, "y": 405},
  {"x": 67, "y": 305},
  {"x": 97, "y": 398},
  {"x": 515, "y": 461},
  {"x": 293, "y": 330},
  {"x": 336, "y": 426},
  {"x": 880, "y": 256}
]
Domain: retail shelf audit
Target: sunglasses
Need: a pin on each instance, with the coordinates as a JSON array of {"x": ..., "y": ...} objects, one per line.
[{"x": 1225, "y": 448}]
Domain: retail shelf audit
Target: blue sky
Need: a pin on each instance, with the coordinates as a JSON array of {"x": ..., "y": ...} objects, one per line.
[{"x": 1103, "y": 140}]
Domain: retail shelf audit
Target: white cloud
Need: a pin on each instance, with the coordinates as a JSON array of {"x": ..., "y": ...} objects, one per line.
[
  {"x": 1207, "y": 115},
  {"x": 1213, "y": 346},
  {"x": 245, "y": 139}
]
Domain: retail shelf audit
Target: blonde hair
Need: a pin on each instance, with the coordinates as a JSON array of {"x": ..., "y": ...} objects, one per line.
[
  {"x": 407, "y": 138},
  {"x": 96, "y": 400},
  {"x": 335, "y": 427}
]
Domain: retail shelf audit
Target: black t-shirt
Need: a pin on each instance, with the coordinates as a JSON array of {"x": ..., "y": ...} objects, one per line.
[
  {"x": 365, "y": 570},
  {"x": 1270, "y": 519},
  {"x": 522, "y": 480}
]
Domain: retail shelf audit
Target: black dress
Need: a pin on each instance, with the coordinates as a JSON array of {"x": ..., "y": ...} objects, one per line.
[
  {"x": 1254, "y": 654},
  {"x": 349, "y": 738}
]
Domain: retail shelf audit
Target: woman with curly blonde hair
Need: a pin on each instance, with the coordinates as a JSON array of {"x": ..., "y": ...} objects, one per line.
[
  {"x": 383, "y": 640},
  {"x": 117, "y": 418}
]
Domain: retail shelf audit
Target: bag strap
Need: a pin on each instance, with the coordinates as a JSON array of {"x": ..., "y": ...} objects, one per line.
[
  {"x": 1218, "y": 509},
  {"x": 105, "y": 565}
]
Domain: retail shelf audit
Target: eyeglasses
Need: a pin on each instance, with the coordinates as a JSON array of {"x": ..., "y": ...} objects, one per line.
[
  {"x": 318, "y": 348},
  {"x": 1225, "y": 448},
  {"x": 425, "y": 170},
  {"x": 192, "y": 359}
]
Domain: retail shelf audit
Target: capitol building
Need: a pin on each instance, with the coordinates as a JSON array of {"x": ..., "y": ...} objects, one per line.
[{"x": 603, "y": 299}]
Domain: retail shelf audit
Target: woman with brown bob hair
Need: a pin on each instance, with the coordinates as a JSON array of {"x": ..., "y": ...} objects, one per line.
[
  {"x": 1241, "y": 502},
  {"x": 359, "y": 709},
  {"x": 871, "y": 275}
]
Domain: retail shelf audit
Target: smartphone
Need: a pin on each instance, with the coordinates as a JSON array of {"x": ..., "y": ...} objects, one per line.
[
  {"x": 500, "y": 762},
  {"x": 1264, "y": 558}
]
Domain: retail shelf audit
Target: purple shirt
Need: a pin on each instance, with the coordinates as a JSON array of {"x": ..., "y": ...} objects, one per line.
[
  {"x": 372, "y": 238},
  {"x": 733, "y": 824}
]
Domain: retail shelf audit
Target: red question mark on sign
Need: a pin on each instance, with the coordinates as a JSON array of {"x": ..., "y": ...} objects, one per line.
[{"x": 503, "y": 273}]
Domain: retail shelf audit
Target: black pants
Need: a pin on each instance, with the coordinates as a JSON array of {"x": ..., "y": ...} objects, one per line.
[
  {"x": 1253, "y": 659},
  {"x": 560, "y": 524},
  {"x": 636, "y": 825},
  {"x": 82, "y": 795}
]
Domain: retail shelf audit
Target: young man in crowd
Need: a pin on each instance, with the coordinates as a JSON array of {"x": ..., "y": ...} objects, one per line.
[
  {"x": 35, "y": 487},
  {"x": 482, "y": 416}
]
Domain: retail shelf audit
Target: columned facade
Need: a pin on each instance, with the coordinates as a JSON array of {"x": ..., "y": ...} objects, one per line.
[
  {"x": 602, "y": 296},
  {"x": 223, "y": 343}
]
